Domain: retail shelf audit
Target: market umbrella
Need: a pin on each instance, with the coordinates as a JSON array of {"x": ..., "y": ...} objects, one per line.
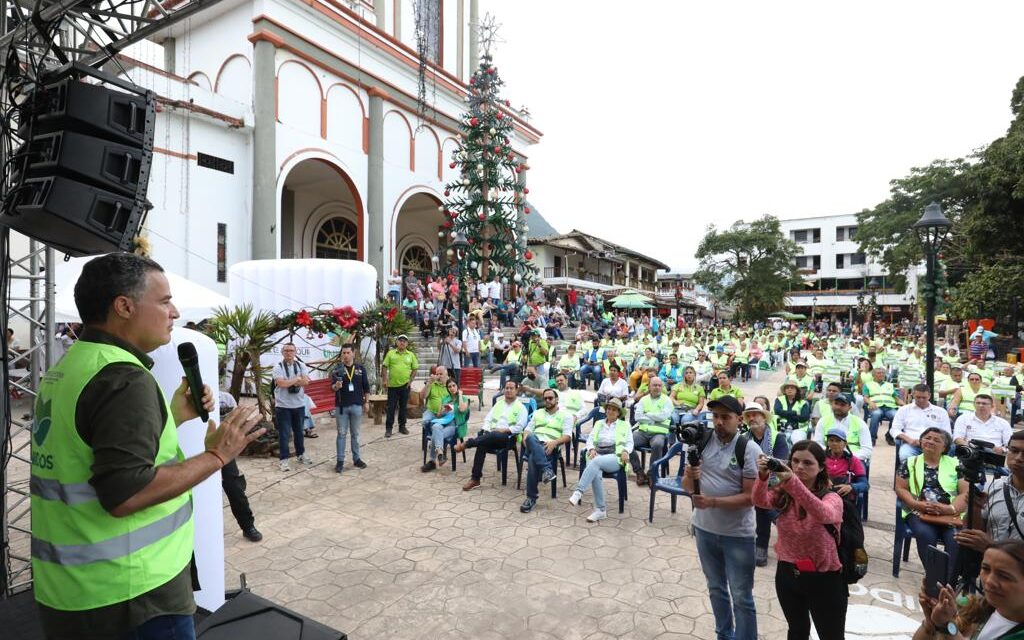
[{"x": 632, "y": 299}]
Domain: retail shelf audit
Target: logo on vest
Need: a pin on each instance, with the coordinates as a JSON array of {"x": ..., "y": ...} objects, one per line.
[{"x": 41, "y": 422}]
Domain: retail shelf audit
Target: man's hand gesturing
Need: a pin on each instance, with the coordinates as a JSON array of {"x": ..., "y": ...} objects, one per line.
[{"x": 233, "y": 435}]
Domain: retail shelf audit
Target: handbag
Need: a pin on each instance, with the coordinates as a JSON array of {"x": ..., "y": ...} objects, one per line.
[{"x": 942, "y": 521}]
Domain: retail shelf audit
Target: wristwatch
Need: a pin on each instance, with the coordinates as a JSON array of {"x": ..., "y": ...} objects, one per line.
[{"x": 949, "y": 630}]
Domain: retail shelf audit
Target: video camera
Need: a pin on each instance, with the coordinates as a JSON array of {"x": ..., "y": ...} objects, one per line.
[
  {"x": 693, "y": 434},
  {"x": 975, "y": 456}
]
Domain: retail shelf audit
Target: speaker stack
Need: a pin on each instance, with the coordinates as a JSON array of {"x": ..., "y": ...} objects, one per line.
[
  {"x": 79, "y": 181},
  {"x": 246, "y": 615}
]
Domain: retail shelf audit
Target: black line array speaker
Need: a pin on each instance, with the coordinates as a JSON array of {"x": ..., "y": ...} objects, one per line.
[
  {"x": 79, "y": 181},
  {"x": 251, "y": 617}
]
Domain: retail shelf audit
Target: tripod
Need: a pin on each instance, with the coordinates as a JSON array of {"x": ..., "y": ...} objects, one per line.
[{"x": 968, "y": 561}]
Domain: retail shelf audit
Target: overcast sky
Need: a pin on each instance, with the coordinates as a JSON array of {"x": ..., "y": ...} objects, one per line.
[{"x": 660, "y": 117}]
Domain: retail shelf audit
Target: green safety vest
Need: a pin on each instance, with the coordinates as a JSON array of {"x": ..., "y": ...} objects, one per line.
[
  {"x": 824, "y": 409},
  {"x": 947, "y": 476},
  {"x": 910, "y": 374},
  {"x": 741, "y": 357},
  {"x": 815, "y": 365},
  {"x": 82, "y": 556},
  {"x": 569, "y": 362},
  {"x": 797, "y": 406},
  {"x": 570, "y": 399},
  {"x": 967, "y": 397},
  {"x": 622, "y": 434},
  {"x": 833, "y": 372},
  {"x": 512, "y": 357},
  {"x": 852, "y": 434},
  {"x": 1003, "y": 388},
  {"x": 501, "y": 409},
  {"x": 881, "y": 394},
  {"x": 651, "y": 405},
  {"x": 547, "y": 425}
]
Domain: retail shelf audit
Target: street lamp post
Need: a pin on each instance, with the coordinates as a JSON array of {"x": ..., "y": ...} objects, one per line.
[
  {"x": 459, "y": 245},
  {"x": 873, "y": 285},
  {"x": 814, "y": 303},
  {"x": 913, "y": 308},
  {"x": 931, "y": 231}
]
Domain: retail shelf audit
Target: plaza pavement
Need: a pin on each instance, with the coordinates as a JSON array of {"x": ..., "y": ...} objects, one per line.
[{"x": 390, "y": 552}]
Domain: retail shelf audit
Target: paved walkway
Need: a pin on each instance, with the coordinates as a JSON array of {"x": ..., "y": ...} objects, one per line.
[{"x": 389, "y": 552}]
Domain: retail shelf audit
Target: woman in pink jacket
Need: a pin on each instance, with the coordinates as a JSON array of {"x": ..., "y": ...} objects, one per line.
[{"x": 808, "y": 581}]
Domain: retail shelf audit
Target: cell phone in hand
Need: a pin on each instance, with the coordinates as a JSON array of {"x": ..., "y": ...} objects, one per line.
[{"x": 936, "y": 570}]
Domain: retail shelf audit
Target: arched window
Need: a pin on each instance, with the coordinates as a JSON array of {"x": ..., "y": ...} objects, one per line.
[
  {"x": 417, "y": 259},
  {"x": 337, "y": 238}
]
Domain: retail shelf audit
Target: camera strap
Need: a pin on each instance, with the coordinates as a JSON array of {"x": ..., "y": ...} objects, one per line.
[{"x": 1011, "y": 508}]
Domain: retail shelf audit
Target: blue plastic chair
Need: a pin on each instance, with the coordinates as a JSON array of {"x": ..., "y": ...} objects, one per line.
[
  {"x": 502, "y": 456},
  {"x": 619, "y": 477},
  {"x": 669, "y": 440},
  {"x": 557, "y": 461},
  {"x": 672, "y": 485},
  {"x": 901, "y": 540},
  {"x": 449, "y": 443}
]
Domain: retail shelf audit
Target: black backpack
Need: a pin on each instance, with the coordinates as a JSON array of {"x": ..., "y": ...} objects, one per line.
[{"x": 850, "y": 543}]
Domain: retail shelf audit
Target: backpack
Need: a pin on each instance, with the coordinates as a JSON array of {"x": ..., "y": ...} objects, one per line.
[{"x": 850, "y": 543}]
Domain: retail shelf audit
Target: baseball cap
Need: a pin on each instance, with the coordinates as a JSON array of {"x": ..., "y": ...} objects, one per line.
[
  {"x": 802, "y": 364},
  {"x": 837, "y": 433},
  {"x": 402, "y": 337},
  {"x": 843, "y": 397},
  {"x": 729, "y": 403}
]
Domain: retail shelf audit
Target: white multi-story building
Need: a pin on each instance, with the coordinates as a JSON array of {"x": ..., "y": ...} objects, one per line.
[{"x": 839, "y": 278}]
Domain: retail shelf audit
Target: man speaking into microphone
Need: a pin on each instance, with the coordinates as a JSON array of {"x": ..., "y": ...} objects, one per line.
[{"x": 111, "y": 490}]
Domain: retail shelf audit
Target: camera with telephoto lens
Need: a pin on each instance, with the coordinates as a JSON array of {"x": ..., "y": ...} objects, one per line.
[
  {"x": 693, "y": 434},
  {"x": 975, "y": 456},
  {"x": 294, "y": 388},
  {"x": 775, "y": 465}
]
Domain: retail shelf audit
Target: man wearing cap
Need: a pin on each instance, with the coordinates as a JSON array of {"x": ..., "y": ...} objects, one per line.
[
  {"x": 397, "y": 371},
  {"x": 548, "y": 429},
  {"x": 653, "y": 419},
  {"x": 723, "y": 520},
  {"x": 913, "y": 418},
  {"x": 503, "y": 422},
  {"x": 803, "y": 380},
  {"x": 855, "y": 431}
]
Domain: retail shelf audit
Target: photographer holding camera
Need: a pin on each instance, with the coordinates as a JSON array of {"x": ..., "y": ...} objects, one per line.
[
  {"x": 1002, "y": 514},
  {"x": 723, "y": 520},
  {"x": 290, "y": 379}
]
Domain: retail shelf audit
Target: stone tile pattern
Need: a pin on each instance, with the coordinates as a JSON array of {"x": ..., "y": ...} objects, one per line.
[{"x": 390, "y": 552}]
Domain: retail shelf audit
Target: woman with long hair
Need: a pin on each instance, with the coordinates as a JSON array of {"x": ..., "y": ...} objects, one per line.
[
  {"x": 997, "y": 614},
  {"x": 809, "y": 582}
]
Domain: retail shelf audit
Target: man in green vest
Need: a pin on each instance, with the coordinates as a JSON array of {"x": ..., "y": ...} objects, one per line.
[
  {"x": 111, "y": 489},
  {"x": 502, "y": 424},
  {"x": 548, "y": 429},
  {"x": 880, "y": 397},
  {"x": 852, "y": 425},
  {"x": 653, "y": 415}
]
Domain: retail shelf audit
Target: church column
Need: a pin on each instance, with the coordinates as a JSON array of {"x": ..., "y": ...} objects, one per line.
[
  {"x": 264, "y": 147},
  {"x": 378, "y": 10},
  {"x": 375, "y": 186},
  {"x": 474, "y": 36}
]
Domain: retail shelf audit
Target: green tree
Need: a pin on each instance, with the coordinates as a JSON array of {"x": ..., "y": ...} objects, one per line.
[{"x": 750, "y": 265}]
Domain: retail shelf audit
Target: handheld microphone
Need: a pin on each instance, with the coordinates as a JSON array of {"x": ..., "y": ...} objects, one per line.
[{"x": 190, "y": 363}]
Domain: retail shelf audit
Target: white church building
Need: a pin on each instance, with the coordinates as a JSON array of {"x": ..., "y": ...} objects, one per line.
[{"x": 290, "y": 129}]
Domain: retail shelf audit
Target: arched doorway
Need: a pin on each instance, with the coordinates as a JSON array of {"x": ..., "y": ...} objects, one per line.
[
  {"x": 321, "y": 213},
  {"x": 420, "y": 235}
]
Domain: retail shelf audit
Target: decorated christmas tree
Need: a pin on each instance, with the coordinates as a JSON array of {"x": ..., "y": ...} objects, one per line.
[{"x": 487, "y": 203}]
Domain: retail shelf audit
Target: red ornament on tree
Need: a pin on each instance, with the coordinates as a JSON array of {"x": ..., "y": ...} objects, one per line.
[
  {"x": 482, "y": 216},
  {"x": 519, "y": 168},
  {"x": 526, "y": 210},
  {"x": 511, "y": 156},
  {"x": 508, "y": 103},
  {"x": 471, "y": 241},
  {"x": 447, "y": 224},
  {"x": 528, "y": 255},
  {"x": 526, "y": 189},
  {"x": 451, "y": 165},
  {"x": 447, "y": 192},
  {"x": 474, "y": 121},
  {"x": 452, "y": 214},
  {"x": 497, "y": 149},
  {"x": 491, "y": 71},
  {"x": 500, "y": 115}
]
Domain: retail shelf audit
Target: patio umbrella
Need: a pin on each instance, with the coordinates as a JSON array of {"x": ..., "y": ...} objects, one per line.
[{"x": 632, "y": 299}]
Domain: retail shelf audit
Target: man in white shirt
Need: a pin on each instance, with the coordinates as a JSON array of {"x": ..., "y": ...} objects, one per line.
[
  {"x": 471, "y": 342},
  {"x": 982, "y": 424},
  {"x": 481, "y": 290},
  {"x": 494, "y": 290},
  {"x": 912, "y": 419},
  {"x": 505, "y": 419}
]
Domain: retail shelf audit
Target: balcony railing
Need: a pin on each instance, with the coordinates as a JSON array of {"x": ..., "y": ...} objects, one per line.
[
  {"x": 836, "y": 292},
  {"x": 600, "y": 278}
]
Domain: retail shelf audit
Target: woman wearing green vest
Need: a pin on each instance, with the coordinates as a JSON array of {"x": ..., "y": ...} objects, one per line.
[
  {"x": 607, "y": 451},
  {"x": 927, "y": 485},
  {"x": 451, "y": 421},
  {"x": 997, "y": 614},
  {"x": 963, "y": 398}
]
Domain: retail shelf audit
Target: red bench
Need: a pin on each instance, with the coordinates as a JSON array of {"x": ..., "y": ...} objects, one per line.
[{"x": 320, "y": 392}]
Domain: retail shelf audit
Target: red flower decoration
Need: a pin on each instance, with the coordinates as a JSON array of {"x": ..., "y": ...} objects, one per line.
[
  {"x": 346, "y": 317},
  {"x": 302, "y": 319},
  {"x": 392, "y": 312}
]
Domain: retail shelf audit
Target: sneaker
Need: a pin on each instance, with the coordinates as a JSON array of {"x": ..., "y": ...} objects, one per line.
[
  {"x": 548, "y": 476},
  {"x": 252, "y": 534},
  {"x": 285, "y": 466},
  {"x": 527, "y": 505},
  {"x": 305, "y": 459},
  {"x": 387, "y": 433},
  {"x": 403, "y": 431},
  {"x": 442, "y": 460},
  {"x": 359, "y": 464},
  {"x": 339, "y": 467},
  {"x": 430, "y": 466},
  {"x": 470, "y": 485},
  {"x": 575, "y": 498},
  {"x": 599, "y": 514},
  {"x": 761, "y": 556}
]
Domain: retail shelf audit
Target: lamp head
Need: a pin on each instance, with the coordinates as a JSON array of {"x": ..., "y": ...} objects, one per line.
[{"x": 932, "y": 228}]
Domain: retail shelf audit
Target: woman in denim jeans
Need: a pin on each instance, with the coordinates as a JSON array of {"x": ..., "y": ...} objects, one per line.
[{"x": 452, "y": 421}]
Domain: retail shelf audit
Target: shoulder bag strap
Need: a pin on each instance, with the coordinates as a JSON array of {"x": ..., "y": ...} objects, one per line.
[{"x": 1011, "y": 509}]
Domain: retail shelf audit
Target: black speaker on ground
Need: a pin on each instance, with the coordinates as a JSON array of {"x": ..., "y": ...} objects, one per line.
[
  {"x": 79, "y": 181},
  {"x": 251, "y": 617}
]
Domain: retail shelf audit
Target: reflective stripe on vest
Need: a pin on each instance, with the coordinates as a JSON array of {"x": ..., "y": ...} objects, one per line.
[
  {"x": 649, "y": 406},
  {"x": 852, "y": 434},
  {"x": 881, "y": 394},
  {"x": 548, "y": 425},
  {"x": 622, "y": 433},
  {"x": 967, "y": 395},
  {"x": 1003, "y": 388},
  {"x": 82, "y": 556}
]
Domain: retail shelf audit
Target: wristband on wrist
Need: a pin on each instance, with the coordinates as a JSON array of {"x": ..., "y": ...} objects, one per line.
[{"x": 219, "y": 457}]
